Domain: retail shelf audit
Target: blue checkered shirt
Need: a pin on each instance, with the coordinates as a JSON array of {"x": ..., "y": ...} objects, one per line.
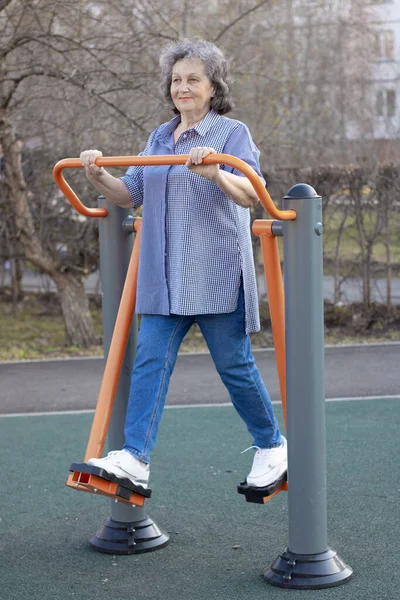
[{"x": 196, "y": 242}]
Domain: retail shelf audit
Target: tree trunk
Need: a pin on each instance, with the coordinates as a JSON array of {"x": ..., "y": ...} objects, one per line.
[
  {"x": 367, "y": 263},
  {"x": 15, "y": 262},
  {"x": 19, "y": 273},
  {"x": 74, "y": 303},
  {"x": 17, "y": 294},
  {"x": 75, "y": 308},
  {"x": 388, "y": 254},
  {"x": 365, "y": 258},
  {"x": 336, "y": 272}
]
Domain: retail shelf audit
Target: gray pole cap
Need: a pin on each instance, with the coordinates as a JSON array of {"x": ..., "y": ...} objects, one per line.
[{"x": 300, "y": 191}]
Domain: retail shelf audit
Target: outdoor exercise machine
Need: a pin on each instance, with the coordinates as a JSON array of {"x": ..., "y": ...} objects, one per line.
[{"x": 298, "y": 330}]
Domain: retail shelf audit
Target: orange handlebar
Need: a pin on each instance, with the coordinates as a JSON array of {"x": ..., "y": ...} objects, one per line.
[{"x": 169, "y": 159}]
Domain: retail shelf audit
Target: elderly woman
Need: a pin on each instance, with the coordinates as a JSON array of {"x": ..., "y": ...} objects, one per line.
[{"x": 196, "y": 262}]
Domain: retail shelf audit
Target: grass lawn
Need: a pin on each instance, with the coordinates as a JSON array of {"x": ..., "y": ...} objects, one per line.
[
  {"x": 349, "y": 243},
  {"x": 34, "y": 329},
  {"x": 349, "y": 250}
]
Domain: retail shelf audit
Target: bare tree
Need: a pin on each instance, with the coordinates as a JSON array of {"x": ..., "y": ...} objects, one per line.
[
  {"x": 55, "y": 70},
  {"x": 387, "y": 191},
  {"x": 88, "y": 77}
]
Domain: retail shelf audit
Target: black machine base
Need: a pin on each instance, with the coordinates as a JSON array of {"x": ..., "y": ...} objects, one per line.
[
  {"x": 257, "y": 494},
  {"x": 308, "y": 571},
  {"x": 125, "y": 486},
  {"x": 117, "y": 537}
]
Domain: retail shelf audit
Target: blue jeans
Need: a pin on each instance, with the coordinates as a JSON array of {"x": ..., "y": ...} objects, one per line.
[{"x": 159, "y": 340}]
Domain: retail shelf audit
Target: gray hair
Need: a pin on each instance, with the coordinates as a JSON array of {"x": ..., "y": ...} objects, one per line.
[{"x": 215, "y": 64}]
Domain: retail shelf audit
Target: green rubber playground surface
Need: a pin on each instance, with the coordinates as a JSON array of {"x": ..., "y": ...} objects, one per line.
[{"x": 219, "y": 544}]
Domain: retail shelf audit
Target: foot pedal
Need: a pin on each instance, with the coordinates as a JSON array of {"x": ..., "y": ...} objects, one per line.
[
  {"x": 96, "y": 480},
  {"x": 261, "y": 495}
]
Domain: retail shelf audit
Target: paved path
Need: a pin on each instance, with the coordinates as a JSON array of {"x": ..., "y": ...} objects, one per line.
[
  {"x": 350, "y": 371},
  {"x": 351, "y": 288}
]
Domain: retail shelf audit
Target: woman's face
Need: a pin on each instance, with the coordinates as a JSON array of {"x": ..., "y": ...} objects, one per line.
[{"x": 191, "y": 90}]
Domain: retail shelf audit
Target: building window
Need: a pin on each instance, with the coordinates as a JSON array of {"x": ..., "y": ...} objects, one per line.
[
  {"x": 391, "y": 103},
  {"x": 379, "y": 104},
  {"x": 384, "y": 45},
  {"x": 386, "y": 103}
]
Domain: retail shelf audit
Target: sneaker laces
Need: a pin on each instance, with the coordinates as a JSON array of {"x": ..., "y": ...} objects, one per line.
[
  {"x": 115, "y": 457},
  {"x": 114, "y": 454},
  {"x": 250, "y": 448},
  {"x": 259, "y": 456}
]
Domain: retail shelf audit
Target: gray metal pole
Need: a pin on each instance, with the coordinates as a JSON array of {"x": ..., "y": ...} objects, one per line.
[
  {"x": 308, "y": 562},
  {"x": 128, "y": 524},
  {"x": 115, "y": 251},
  {"x": 304, "y": 318}
]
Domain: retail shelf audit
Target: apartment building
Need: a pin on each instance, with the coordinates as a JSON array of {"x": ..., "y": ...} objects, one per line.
[
  {"x": 385, "y": 23},
  {"x": 360, "y": 40}
]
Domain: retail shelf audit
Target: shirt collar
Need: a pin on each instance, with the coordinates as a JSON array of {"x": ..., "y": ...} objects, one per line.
[
  {"x": 205, "y": 124},
  {"x": 201, "y": 128}
]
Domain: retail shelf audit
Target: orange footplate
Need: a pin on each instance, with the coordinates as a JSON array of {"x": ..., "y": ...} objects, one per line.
[
  {"x": 263, "y": 495},
  {"x": 86, "y": 478}
]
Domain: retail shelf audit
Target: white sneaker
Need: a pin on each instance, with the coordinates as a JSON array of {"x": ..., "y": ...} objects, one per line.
[
  {"x": 123, "y": 464},
  {"x": 268, "y": 465}
]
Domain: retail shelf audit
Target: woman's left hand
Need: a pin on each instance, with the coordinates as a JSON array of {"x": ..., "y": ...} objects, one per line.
[{"x": 194, "y": 163}]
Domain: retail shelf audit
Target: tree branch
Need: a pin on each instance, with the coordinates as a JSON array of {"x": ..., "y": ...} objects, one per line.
[
  {"x": 4, "y": 4},
  {"x": 63, "y": 77},
  {"x": 239, "y": 18}
]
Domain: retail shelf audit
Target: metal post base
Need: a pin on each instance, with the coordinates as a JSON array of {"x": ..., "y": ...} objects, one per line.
[
  {"x": 116, "y": 537},
  {"x": 307, "y": 572}
]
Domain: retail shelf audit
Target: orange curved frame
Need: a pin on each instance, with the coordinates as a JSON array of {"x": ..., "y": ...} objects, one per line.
[
  {"x": 276, "y": 300},
  {"x": 105, "y": 402},
  {"x": 168, "y": 159},
  {"x": 262, "y": 228}
]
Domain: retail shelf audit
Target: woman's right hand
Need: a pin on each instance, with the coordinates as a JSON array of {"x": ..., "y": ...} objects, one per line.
[{"x": 88, "y": 158}]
